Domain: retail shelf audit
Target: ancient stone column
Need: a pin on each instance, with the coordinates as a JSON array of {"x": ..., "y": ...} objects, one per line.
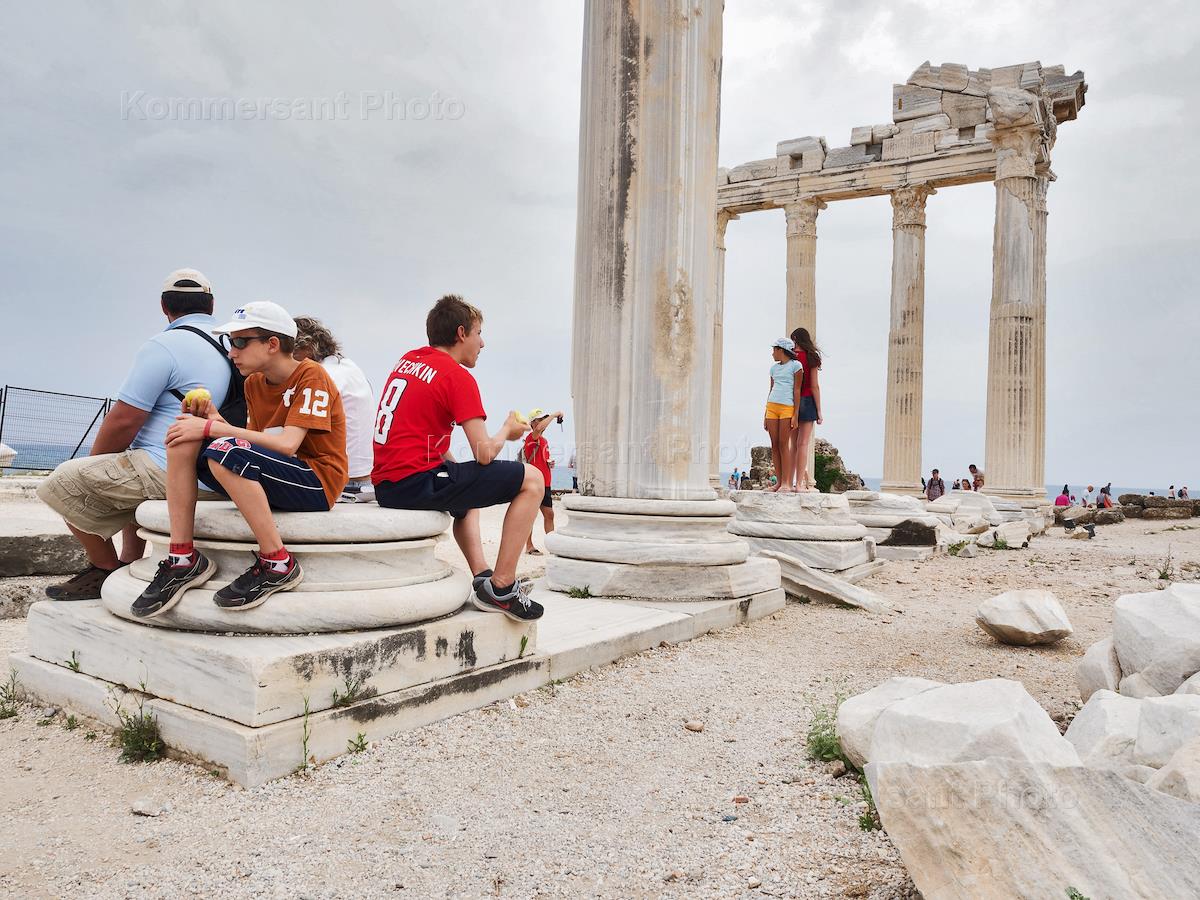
[
  {"x": 906, "y": 343},
  {"x": 802, "y": 263},
  {"x": 1014, "y": 445},
  {"x": 645, "y": 248},
  {"x": 724, "y": 217},
  {"x": 646, "y": 522}
]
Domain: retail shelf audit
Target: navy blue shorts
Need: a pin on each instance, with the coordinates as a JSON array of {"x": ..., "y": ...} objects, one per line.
[
  {"x": 808, "y": 409},
  {"x": 456, "y": 488},
  {"x": 289, "y": 483}
]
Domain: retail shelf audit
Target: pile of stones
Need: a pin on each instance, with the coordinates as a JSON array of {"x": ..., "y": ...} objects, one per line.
[{"x": 1152, "y": 506}]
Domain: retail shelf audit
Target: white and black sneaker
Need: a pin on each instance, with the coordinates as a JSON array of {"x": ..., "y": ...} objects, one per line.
[
  {"x": 514, "y": 601},
  {"x": 169, "y": 582},
  {"x": 256, "y": 584}
]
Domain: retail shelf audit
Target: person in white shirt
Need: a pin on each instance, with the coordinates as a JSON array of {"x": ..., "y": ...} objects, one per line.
[{"x": 316, "y": 342}]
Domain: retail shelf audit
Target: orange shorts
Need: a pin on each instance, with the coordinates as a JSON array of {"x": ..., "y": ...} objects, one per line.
[{"x": 779, "y": 411}]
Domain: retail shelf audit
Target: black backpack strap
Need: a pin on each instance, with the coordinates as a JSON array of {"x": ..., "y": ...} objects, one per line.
[{"x": 217, "y": 345}]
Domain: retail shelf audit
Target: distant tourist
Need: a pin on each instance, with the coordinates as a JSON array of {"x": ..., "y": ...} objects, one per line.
[
  {"x": 97, "y": 495},
  {"x": 809, "y": 413},
  {"x": 536, "y": 452},
  {"x": 736, "y": 476},
  {"x": 1183, "y": 493},
  {"x": 316, "y": 342},
  {"x": 292, "y": 457},
  {"x": 428, "y": 392},
  {"x": 1086, "y": 499},
  {"x": 779, "y": 420},
  {"x": 745, "y": 483},
  {"x": 935, "y": 487},
  {"x": 1063, "y": 499},
  {"x": 573, "y": 466},
  {"x": 976, "y": 477},
  {"x": 1171, "y": 492},
  {"x": 966, "y": 484}
]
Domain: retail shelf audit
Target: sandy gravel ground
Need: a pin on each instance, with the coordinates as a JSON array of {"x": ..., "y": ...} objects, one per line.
[{"x": 589, "y": 788}]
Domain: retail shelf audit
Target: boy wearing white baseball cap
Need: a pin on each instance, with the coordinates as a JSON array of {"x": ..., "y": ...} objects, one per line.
[{"x": 290, "y": 456}]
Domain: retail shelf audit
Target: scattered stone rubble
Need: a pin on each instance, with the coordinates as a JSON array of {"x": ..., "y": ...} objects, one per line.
[
  {"x": 1152, "y": 506},
  {"x": 1024, "y": 618}
]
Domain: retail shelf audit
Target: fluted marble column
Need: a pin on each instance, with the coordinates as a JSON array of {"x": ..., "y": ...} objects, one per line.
[
  {"x": 1015, "y": 439},
  {"x": 645, "y": 259},
  {"x": 802, "y": 263},
  {"x": 724, "y": 217},
  {"x": 906, "y": 343}
]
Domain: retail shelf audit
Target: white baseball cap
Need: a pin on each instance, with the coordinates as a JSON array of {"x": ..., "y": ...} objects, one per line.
[
  {"x": 261, "y": 314},
  {"x": 202, "y": 284}
]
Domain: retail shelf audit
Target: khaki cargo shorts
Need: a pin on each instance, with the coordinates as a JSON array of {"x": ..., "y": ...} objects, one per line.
[{"x": 100, "y": 494}]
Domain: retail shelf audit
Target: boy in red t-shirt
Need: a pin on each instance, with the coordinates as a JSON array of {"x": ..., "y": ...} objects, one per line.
[
  {"x": 536, "y": 452},
  {"x": 426, "y": 394}
]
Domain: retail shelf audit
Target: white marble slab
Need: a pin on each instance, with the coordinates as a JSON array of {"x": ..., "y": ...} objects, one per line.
[
  {"x": 832, "y": 556},
  {"x": 676, "y": 582}
]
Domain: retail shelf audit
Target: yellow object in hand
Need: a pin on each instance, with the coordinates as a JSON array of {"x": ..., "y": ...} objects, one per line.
[
  {"x": 196, "y": 396},
  {"x": 520, "y": 417}
]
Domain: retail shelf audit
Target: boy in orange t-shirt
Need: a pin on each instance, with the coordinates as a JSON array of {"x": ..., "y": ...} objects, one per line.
[{"x": 291, "y": 456}]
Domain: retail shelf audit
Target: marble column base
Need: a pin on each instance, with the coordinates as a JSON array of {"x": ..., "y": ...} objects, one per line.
[{"x": 663, "y": 582}]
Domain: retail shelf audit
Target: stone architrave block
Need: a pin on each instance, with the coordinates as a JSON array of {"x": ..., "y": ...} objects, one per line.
[
  {"x": 983, "y": 133},
  {"x": 945, "y": 140},
  {"x": 1105, "y": 731},
  {"x": 1098, "y": 670},
  {"x": 753, "y": 171},
  {"x": 880, "y": 133},
  {"x": 946, "y": 77},
  {"x": 1022, "y": 75},
  {"x": 909, "y": 102},
  {"x": 964, "y": 110},
  {"x": 969, "y": 721},
  {"x": 857, "y": 716},
  {"x": 846, "y": 156},
  {"x": 937, "y": 122},
  {"x": 902, "y": 146},
  {"x": 1166, "y": 724},
  {"x": 861, "y": 134},
  {"x": 1053, "y": 828},
  {"x": 797, "y": 147},
  {"x": 978, "y": 83}
]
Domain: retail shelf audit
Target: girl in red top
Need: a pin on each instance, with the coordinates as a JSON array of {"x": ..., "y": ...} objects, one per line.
[
  {"x": 536, "y": 452},
  {"x": 808, "y": 413}
]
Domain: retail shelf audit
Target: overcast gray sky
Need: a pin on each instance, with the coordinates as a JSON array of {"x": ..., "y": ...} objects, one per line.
[{"x": 447, "y": 162}]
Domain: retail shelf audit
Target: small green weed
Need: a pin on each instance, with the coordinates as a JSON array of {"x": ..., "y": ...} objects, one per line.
[
  {"x": 305, "y": 734},
  {"x": 71, "y": 723},
  {"x": 1001, "y": 544},
  {"x": 868, "y": 820},
  {"x": 821, "y": 740},
  {"x": 1075, "y": 894},
  {"x": 953, "y": 549},
  {"x": 358, "y": 744},
  {"x": 524, "y": 644},
  {"x": 580, "y": 593},
  {"x": 89, "y": 736},
  {"x": 1166, "y": 571},
  {"x": 356, "y": 690},
  {"x": 73, "y": 662},
  {"x": 10, "y": 696},
  {"x": 138, "y": 734}
]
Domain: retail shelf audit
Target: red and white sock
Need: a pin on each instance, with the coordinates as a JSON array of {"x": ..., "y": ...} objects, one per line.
[
  {"x": 279, "y": 561},
  {"x": 182, "y": 554}
]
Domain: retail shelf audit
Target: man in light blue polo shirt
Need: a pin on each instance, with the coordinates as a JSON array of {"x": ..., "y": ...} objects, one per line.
[{"x": 98, "y": 495}]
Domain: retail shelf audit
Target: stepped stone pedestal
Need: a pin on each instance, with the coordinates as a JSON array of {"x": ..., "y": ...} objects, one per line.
[
  {"x": 815, "y": 528},
  {"x": 375, "y": 640}
]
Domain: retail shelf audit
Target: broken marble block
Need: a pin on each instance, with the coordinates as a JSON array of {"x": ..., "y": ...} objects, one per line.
[
  {"x": 1157, "y": 637},
  {"x": 946, "y": 77},
  {"x": 1025, "y": 618},
  {"x": 1098, "y": 670},
  {"x": 964, "y": 110},
  {"x": 1104, "y": 733},
  {"x": 909, "y": 102},
  {"x": 857, "y": 716},
  {"x": 753, "y": 171}
]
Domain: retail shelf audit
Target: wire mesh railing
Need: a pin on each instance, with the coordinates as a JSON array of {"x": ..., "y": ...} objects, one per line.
[{"x": 45, "y": 428}]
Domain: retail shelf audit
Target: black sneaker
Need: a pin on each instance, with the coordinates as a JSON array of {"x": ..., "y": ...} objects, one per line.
[
  {"x": 514, "y": 603},
  {"x": 169, "y": 584},
  {"x": 476, "y": 581},
  {"x": 256, "y": 584}
]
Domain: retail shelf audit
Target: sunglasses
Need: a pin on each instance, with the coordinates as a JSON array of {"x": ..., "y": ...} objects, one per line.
[{"x": 242, "y": 343}]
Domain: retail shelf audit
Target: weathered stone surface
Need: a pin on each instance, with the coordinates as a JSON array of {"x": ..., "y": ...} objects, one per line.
[
  {"x": 1080, "y": 515},
  {"x": 902, "y": 146},
  {"x": 799, "y": 146},
  {"x": 1133, "y": 512},
  {"x": 40, "y": 554},
  {"x": 1165, "y": 512},
  {"x": 801, "y": 580},
  {"x": 1166, "y": 724},
  {"x": 1180, "y": 777},
  {"x": 1024, "y": 618},
  {"x": 1013, "y": 534},
  {"x": 857, "y": 716},
  {"x": 926, "y": 125},
  {"x": 968, "y": 552},
  {"x": 1013, "y": 107},
  {"x": 818, "y": 532},
  {"x": 651, "y": 529},
  {"x": 1113, "y": 516},
  {"x": 959, "y": 503},
  {"x": 795, "y": 509},
  {"x": 1098, "y": 670},
  {"x": 910, "y": 102},
  {"x": 1137, "y": 686},
  {"x": 860, "y": 134},
  {"x": 908, "y": 554},
  {"x": 1157, "y": 635},
  {"x": 835, "y": 467},
  {"x": 846, "y": 156},
  {"x": 973, "y": 720},
  {"x": 880, "y": 133},
  {"x": 1002, "y": 828},
  {"x": 1105, "y": 731},
  {"x": 832, "y": 556},
  {"x": 909, "y": 533},
  {"x": 964, "y": 110},
  {"x": 1154, "y": 500},
  {"x": 648, "y": 553},
  {"x": 640, "y": 507},
  {"x": 1191, "y": 686},
  {"x": 756, "y": 575},
  {"x": 346, "y": 523},
  {"x": 1127, "y": 499},
  {"x": 946, "y": 77},
  {"x": 754, "y": 170}
]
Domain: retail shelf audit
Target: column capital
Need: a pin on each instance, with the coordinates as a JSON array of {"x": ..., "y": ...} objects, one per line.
[
  {"x": 908, "y": 204},
  {"x": 724, "y": 217},
  {"x": 1041, "y": 185},
  {"x": 802, "y": 216},
  {"x": 1016, "y": 151}
]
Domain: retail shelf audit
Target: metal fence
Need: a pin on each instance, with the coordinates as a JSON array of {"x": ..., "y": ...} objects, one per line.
[{"x": 45, "y": 427}]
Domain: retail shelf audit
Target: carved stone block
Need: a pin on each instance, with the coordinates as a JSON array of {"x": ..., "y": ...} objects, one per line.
[
  {"x": 880, "y": 133},
  {"x": 860, "y": 135},
  {"x": 751, "y": 171},
  {"x": 903, "y": 146},
  {"x": 909, "y": 102},
  {"x": 964, "y": 110},
  {"x": 946, "y": 77},
  {"x": 846, "y": 156},
  {"x": 939, "y": 122}
]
